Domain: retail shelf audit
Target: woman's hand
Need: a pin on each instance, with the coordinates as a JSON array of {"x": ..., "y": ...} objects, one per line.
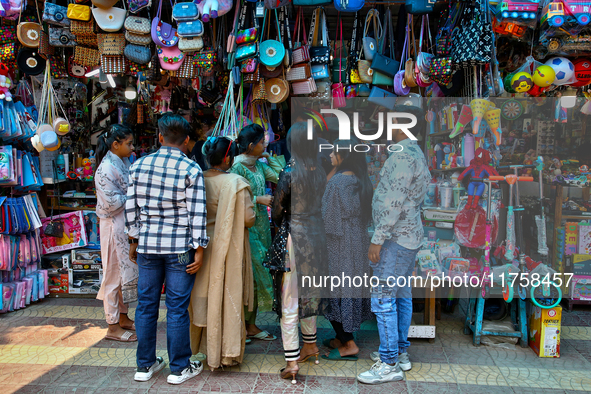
[
  {"x": 266, "y": 154},
  {"x": 265, "y": 200},
  {"x": 133, "y": 252},
  {"x": 374, "y": 253}
]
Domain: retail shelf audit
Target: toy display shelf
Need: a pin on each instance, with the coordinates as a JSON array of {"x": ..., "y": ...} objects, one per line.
[{"x": 449, "y": 169}]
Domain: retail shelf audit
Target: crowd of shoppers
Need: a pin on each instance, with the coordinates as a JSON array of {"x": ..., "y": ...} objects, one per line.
[{"x": 195, "y": 217}]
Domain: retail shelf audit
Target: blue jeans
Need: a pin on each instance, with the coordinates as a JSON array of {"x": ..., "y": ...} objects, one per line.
[
  {"x": 392, "y": 304},
  {"x": 153, "y": 270}
]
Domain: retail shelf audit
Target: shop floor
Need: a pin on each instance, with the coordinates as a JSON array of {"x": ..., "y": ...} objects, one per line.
[{"x": 57, "y": 346}]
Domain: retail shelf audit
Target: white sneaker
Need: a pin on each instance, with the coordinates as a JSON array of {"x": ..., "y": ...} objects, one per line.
[
  {"x": 381, "y": 373},
  {"x": 194, "y": 369},
  {"x": 375, "y": 356},
  {"x": 404, "y": 362},
  {"x": 144, "y": 374}
]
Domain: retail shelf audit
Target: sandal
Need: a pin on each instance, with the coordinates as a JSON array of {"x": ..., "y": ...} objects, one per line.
[
  {"x": 286, "y": 374},
  {"x": 310, "y": 355},
  {"x": 263, "y": 336},
  {"x": 132, "y": 328},
  {"x": 125, "y": 337},
  {"x": 336, "y": 355}
]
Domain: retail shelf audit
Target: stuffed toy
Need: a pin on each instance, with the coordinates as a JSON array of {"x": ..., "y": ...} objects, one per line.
[
  {"x": 213, "y": 8},
  {"x": 5, "y": 83},
  {"x": 479, "y": 168}
]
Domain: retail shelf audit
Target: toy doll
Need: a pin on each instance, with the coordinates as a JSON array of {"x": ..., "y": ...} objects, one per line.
[{"x": 479, "y": 168}]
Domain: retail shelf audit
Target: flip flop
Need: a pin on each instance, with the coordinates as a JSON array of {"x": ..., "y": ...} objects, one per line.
[
  {"x": 335, "y": 355},
  {"x": 124, "y": 338},
  {"x": 247, "y": 341},
  {"x": 263, "y": 336}
]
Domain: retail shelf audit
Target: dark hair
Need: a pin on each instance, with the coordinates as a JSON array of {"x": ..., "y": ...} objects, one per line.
[
  {"x": 251, "y": 134},
  {"x": 115, "y": 132},
  {"x": 356, "y": 163},
  {"x": 216, "y": 149},
  {"x": 174, "y": 128},
  {"x": 307, "y": 173}
]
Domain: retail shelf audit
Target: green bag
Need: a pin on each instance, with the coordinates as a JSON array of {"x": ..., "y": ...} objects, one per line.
[{"x": 381, "y": 79}]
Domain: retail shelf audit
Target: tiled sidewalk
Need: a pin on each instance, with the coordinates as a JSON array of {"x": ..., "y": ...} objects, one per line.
[{"x": 56, "y": 346}]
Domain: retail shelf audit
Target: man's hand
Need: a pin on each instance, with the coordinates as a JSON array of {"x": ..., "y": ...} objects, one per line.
[
  {"x": 133, "y": 253},
  {"x": 265, "y": 200},
  {"x": 196, "y": 264},
  {"x": 374, "y": 253}
]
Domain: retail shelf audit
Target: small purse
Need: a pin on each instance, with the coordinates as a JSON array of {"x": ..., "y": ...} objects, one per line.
[
  {"x": 55, "y": 15},
  {"x": 323, "y": 91},
  {"x": 29, "y": 33},
  {"x": 370, "y": 45},
  {"x": 382, "y": 97},
  {"x": 138, "y": 53},
  {"x": 110, "y": 20},
  {"x": 113, "y": 64},
  {"x": 252, "y": 77},
  {"x": 76, "y": 70},
  {"x": 319, "y": 50},
  {"x": 205, "y": 59},
  {"x": 190, "y": 29},
  {"x": 186, "y": 70},
  {"x": 54, "y": 229},
  {"x": 186, "y": 11},
  {"x": 297, "y": 73},
  {"x": 139, "y": 39},
  {"x": 440, "y": 70},
  {"x": 381, "y": 63},
  {"x": 86, "y": 56},
  {"x": 271, "y": 72},
  {"x": 301, "y": 54},
  {"x": 7, "y": 34},
  {"x": 320, "y": 71},
  {"x": 78, "y": 12},
  {"x": 163, "y": 34},
  {"x": 137, "y": 25},
  {"x": 271, "y": 52},
  {"x": 171, "y": 58},
  {"x": 111, "y": 44},
  {"x": 190, "y": 44},
  {"x": 247, "y": 35},
  {"x": 304, "y": 87},
  {"x": 246, "y": 51},
  {"x": 276, "y": 90},
  {"x": 249, "y": 65},
  {"x": 61, "y": 37},
  {"x": 45, "y": 49}
]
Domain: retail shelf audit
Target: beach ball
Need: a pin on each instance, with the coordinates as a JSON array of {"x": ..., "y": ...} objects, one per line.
[
  {"x": 563, "y": 68},
  {"x": 522, "y": 82},
  {"x": 544, "y": 76}
]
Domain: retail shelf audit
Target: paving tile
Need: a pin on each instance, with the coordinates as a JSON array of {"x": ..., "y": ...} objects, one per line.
[
  {"x": 33, "y": 389},
  {"x": 574, "y": 380},
  {"x": 333, "y": 368},
  {"x": 425, "y": 354},
  {"x": 159, "y": 382},
  {"x": 112, "y": 390},
  {"x": 330, "y": 385},
  {"x": 273, "y": 384},
  {"x": 85, "y": 376},
  {"x": 477, "y": 389},
  {"x": 122, "y": 378},
  {"x": 527, "y": 377},
  {"x": 571, "y": 332},
  {"x": 23, "y": 374},
  {"x": 478, "y": 374},
  {"x": 432, "y": 388},
  {"x": 229, "y": 382},
  {"x": 384, "y": 388},
  {"x": 471, "y": 356},
  {"x": 527, "y": 390},
  {"x": 427, "y": 372}
]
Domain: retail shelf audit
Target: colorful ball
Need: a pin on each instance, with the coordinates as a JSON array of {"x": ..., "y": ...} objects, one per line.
[
  {"x": 522, "y": 82},
  {"x": 582, "y": 72},
  {"x": 544, "y": 76},
  {"x": 563, "y": 68}
]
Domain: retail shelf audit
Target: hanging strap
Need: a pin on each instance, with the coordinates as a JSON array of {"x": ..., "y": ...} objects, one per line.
[
  {"x": 314, "y": 28},
  {"x": 354, "y": 52},
  {"x": 340, "y": 48},
  {"x": 285, "y": 22}
]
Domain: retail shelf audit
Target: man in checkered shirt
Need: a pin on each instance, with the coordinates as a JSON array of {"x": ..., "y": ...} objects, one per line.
[{"x": 166, "y": 223}]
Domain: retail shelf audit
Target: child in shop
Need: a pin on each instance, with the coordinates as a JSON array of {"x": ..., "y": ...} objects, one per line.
[{"x": 120, "y": 274}]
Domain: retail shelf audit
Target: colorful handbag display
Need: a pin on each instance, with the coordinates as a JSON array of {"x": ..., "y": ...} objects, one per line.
[
  {"x": 55, "y": 15},
  {"x": 61, "y": 37},
  {"x": 383, "y": 61},
  {"x": 111, "y": 44},
  {"x": 186, "y": 11},
  {"x": 191, "y": 44},
  {"x": 138, "y": 5},
  {"x": 139, "y": 54},
  {"x": 78, "y": 12},
  {"x": 171, "y": 58},
  {"x": 113, "y": 64},
  {"x": 271, "y": 52},
  {"x": 186, "y": 70},
  {"x": 137, "y": 25},
  {"x": 163, "y": 34},
  {"x": 205, "y": 59},
  {"x": 440, "y": 70},
  {"x": 320, "y": 46}
]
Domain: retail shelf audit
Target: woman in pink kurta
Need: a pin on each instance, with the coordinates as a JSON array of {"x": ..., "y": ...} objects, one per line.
[{"x": 120, "y": 274}]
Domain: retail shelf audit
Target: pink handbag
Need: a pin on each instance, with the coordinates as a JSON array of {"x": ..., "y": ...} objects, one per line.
[
  {"x": 171, "y": 58},
  {"x": 305, "y": 87}
]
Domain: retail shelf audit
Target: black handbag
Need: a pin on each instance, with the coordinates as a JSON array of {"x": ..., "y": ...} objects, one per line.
[
  {"x": 319, "y": 49},
  {"x": 472, "y": 38},
  {"x": 54, "y": 229},
  {"x": 382, "y": 59}
]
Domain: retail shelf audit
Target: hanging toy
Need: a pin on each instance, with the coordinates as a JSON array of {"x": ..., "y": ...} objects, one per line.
[
  {"x": 465, "y": 118},
  {"x": 493, "y": 118},
  {"x": 5, "y": 83},
  {"x": 522, "y": 82},
  {"x": 582, "y": 72},
  {"x": 564, "y": 69},
  {"x": 544, "y": 76},
  {"x": 479, "y": 108},
  {"x": 586, "y": 108}
]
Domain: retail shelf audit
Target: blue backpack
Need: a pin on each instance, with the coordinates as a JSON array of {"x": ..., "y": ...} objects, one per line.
[{"x": 349, "y": 5}]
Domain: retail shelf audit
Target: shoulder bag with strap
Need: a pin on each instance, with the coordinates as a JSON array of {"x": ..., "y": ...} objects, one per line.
[
  {"x": 370, "y": 44},
  {"x": 320, "y": 49},
  {"x": 271, "y": 52},
  {"x": 384, "y": 66},
  {"x": 29, "y": 33},
  {"x": 338, "y": 89},
  {"x": 163, "y": 34},
  {"x": 301, "y": 53}
]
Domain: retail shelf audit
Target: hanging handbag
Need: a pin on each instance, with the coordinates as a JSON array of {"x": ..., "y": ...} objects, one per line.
[
  {"x": 419, "y": 7},
  {"x": 472, "y": 45},
  {"x": 271, "y": 72},
  {"x": 154, "y": 74},
  {"x": 443, "y": 39},
  {"x": 61, "y": 37},
  {"x": 320, "y": 71},
  {"x": 55, "y": 14},
  {"x": 138, "y": 53},
  {"x": 297, "y": 73},
  {"x": 252, "y": 77},
  {"x": 57, "y": 68},
  {"x": 207, "y": 58},
  {"x": 163, "y": 34},
  {"x": 300, "y": 54},
  {"x": 271, "y": 52},
  {"x": 276, "y": 90},
  {"x": 45, "y": 49},
  {"x": 409, "y": 64},
  {"x": 7, "y": 53},
  {"x": 311, "y": 2},
  {"x": 88, "y": 57},
  {"x": 139, "y": 39},
  {"x": 274, "y": 4},
  {"x": 78, "y": 12},
  {"x": 349, "y": 5},
  {"x": 111, "y": 44},
  {"x": 354, "y": 77},
  {"x": 137, "y": 25},
  {"x": 104, "y": 4},
  {"x": 190, "y": 29},
  {"x": 110, "y": 20},
  {"x": 246, "y": 51},
  {"x": 370, "y": 44},
  {"x": 113, "y": 64},
  {"x": 185, "y": 11},
  {"x": 441, "y": 71},
  {"x": 323, "y": 91},
  {"x": 338, "y": 89},
  {"x": 259, "y": 94},
  {"x": 76, "y": 70},
  {"x": 304, "y": 87},
  {"x": 29, "y": 33},
  {"x": 138, "y": 5},
  {"x": 339, "y": 65},
  {"x": 171, "y": 58},
  {"x": 85, "y": 32},
  {"x": 382, "y": 63},
  {"x": 249, "y": 65},
  {"x": 382, "y": 97},
  {"x": 190, "y": 44},
  {"x": 318, "y": 38},
  {"x": 7, "y": 34},
  {"x": 186, "y": 70}
]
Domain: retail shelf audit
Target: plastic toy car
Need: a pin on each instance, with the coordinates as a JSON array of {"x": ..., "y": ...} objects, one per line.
[{"x": 508, "y": 29}]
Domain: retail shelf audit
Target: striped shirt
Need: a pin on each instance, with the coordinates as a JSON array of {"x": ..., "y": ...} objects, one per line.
[{"x": 165, "y": 205}]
